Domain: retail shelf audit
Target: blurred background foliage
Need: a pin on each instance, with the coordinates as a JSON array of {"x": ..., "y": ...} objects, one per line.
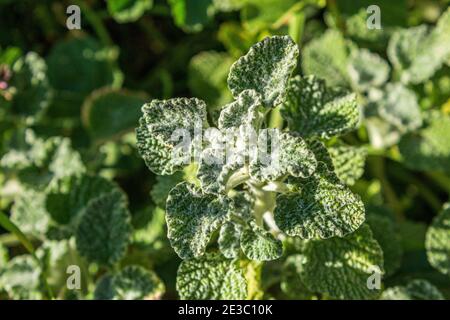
[{"x": 70, "y": 100}]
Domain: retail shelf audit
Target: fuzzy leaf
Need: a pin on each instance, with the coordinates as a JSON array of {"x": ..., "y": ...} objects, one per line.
[
  {"x": 291, "y": 281},
  {"x": 437, "y": 241},
  {"x": 211, "y": 277},
  {"x": 243, "y": 111},
  {"x": 289, "y": 154},
  {"x": 327, "y": 58},
  {"x": 108, "y": 113},
  {"x": 69, "y": 196},
  {"x": 415, "y": 290},
  {"x": 429, "y": 148},
  {"x": 160, "y": 120},
  {"x": 30, "y": 214},
  {"x": 340, "y": 267},
  {"x": 348, "y": 162},
  {"x": 312, "y": 109},
  {"x": 33, "y": 90},
  {"x": 323, "y": 209},
  {"x": 229, "y": 239},
  {"x": 131, "y": 283},
  {"x": 104, "y": 230},
  {"x": 419, "y": 53},
  {"x": 259, "y": 244},
  {"x": 192, "y": 217},
  {"x": 367, "y": 69},
  {"x": 162, "y": 187},
  {"x": 266, "y": 68},
  {"x": 21, "y": 278},
  {"x": 399, "y": 107},
  {"x": 124, "y": 11}
]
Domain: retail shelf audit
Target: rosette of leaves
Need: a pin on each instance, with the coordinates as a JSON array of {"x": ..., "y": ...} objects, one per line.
[{"x": 247, "y": 201}]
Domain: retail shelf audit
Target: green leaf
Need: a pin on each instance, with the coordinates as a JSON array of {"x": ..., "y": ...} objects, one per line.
[
  {"x": 207, "y": 77},
  {"x": 8, "y": 225},
  {"x": 229, "y": 239},
  {"x": 243, "y": 111},
  {"x": 259, "y": 244},
  {"x": 384, "y": 232},
  {"x": 323, "y": 209},
  {"x": 131, "y": 283},
  {"x": 124, "y": 11},
  {"x": 192, "y": 217},
  {"x": 263, "y": 14},
  {"x": 437, "y": 241},
  {"x": 40, "y": 163},
  {"x": 29, "y": 79},
  {"x": 399, "y": 106},
  {"x": 20, "y": 278},
  {"x": 367, "y": 69},
  {"x": 312, "y": 109},
  {"x": 211, "y": 277},
  {"x": 29, "y": 212},
  {"x": 266, "y": 68},
  {"x": 340, "y": 267},
  {"x": 79, "y": 65},
  {"x": 107, "y": 113},
  {"x": 417, "y": 53},
  {"x": 160, "y": 120},
  {"x": 428, "y": 148},
  {"x": 348, "y": 162},
  {"x": 71, "y": 195},
  {"x": 291, "y": 281},
  {"x": 162, "y": 187},
  {"x": 104, "y": 230},
  {"x": 288, "y": 154},
  {"x": 4, "y": 257},
  {"x": 190, "y": 15},
  {"x": 414, "y": 290},
  {"x": 327, "y": 58}
]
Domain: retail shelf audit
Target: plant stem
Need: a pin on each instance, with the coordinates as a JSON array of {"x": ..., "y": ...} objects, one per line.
[
  {"x": 276, "y": 120},
  {"x": 378, "y": 170}
]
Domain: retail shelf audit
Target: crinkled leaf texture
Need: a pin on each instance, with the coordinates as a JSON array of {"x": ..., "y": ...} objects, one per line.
[
  {"x": 259, "y": 244},
  {"x": 340, "y": 267},
  {"x": 266, "y": 68},
  {"x": 288, "y": 155},
  {"x": 414, "y": 290},
  {"x": 348, "y": 162},
  {"x": 242, "y": 111},
  {"x": 192, "y": 217},
  {"x": 211, "y": 277},
  {"x": 417, "y": 53},
  {"x": 157, "y": 136},
  {"x": 131, "y": 283},
  {"x": 437, "y": 241},
  {"x": 324, "y": 208},
  {"x": 104, "y": 230},
  {"x": 312, "y": 109},
  {"x": 229, "y": 239}
]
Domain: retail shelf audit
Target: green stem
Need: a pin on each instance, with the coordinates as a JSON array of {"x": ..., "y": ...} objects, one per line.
[
  {"x": 276, "y": 120},
  {"x": 296, "y": 26},
  {"x": 378, "y": 170}
]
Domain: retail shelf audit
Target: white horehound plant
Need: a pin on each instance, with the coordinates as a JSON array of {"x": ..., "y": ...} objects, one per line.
[{"x": 252, "y": 208}]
